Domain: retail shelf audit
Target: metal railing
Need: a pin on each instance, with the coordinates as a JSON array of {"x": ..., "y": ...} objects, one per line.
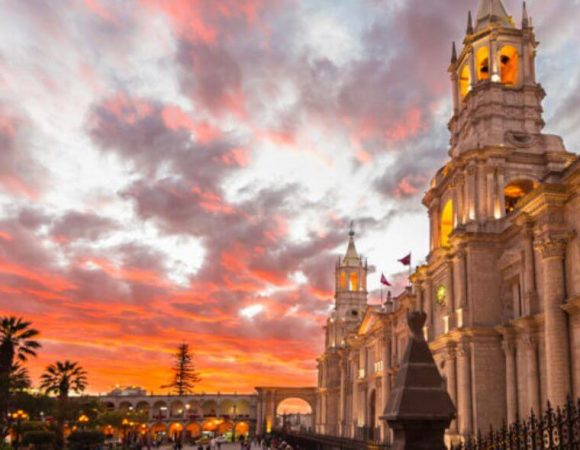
[
  {"x": 555, "y": 429},
  {"x": 311, "y": 441}
]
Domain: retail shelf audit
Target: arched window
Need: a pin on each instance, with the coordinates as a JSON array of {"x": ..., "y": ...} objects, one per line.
[
  {"x": 446, "y": 223},
  {"x": 342, "y": 280},
  {"x": 353, "y": 281},
  {"x": 509, "y": 65},
  {"x": 516, "y": 190},
  {"x": 464, "y": 80},
  {"x": 482, "y": 63}
]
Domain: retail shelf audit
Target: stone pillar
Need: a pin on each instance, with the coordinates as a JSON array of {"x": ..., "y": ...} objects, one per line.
[
  {"x": 533, "y": 374},
  {"x": 471, "y": 192},
  {"x": 429, "y": 307},
  {"x": 435, "y": 215},
  {"x": 472, "y": 72},
  {"x": 494, "y": 61},
  {"x": 500, "y": 193},
  {"x": 450, "y": 289},
  {"x": 464, "y": 389},
  {"x": 355, "y": 394},
  {"x": 342, "y": 399},
  {"x": 482, "y": 213},
  {"x": 556, "y": 334},
  {"x": 530, "y": 303},
  {"x": 450, "y": 375},
  {"x": 386, "y": 382},
  {"x": 455, "y": 92},
  {"x": 491, "y": 193},
  {"x": 259, "y": 419},
  {"x": 509, "y": 349},
  {"x": 460, "y": 200}
]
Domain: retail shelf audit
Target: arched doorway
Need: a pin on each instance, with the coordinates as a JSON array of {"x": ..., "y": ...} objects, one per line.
[
  {"x": 158, "y": 431},
  {"x": 372, "y": 415},
  {"x": 294, "y": 414},
  {"x": 193, "y": 430},
  {"x": 242, "y": 429},
  {"x": 175, "y": 431}
]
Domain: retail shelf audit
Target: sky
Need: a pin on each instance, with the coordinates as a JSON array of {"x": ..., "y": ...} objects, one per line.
[{"x": 186, "y": 171}]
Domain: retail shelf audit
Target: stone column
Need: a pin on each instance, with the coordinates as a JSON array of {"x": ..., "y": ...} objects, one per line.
[
  {"x": 471, "y": 199},
  {"x": 460, "y": 200},
  {"x": 529, "y": 272},
  {"x": 455, "y": 92},
  {"x": 386, "y": 381},
  {"x": 342, "y": 399},
  {"x": 429, "y": 307},
  {"x": 435, "y": 214},
  {"x": 472, "y": 72},
  {"x": 450, "y": 375},
  {"x": 533, "y": 374},
  {"x": 491, "y": 193},
  {"x": 482, "y": 212},
  {"x": 355, "y": 393},
  {"x": 555, "y": 321},
  {"x": 509, "y": 349},
  {"x": 500, "y": 193},
  {"x": 464, "y": 389},
  {"x": 494, "y": 61}
]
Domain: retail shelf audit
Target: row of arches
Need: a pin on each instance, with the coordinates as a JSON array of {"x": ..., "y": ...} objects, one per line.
[
  {"x": 179, "y": 409},
  {"x": 508, "y": 61}
]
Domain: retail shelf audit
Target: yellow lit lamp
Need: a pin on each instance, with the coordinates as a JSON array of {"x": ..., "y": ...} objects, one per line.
[
  {"x": 83, "y": 420},
  {"x": 19, "y": 415}
]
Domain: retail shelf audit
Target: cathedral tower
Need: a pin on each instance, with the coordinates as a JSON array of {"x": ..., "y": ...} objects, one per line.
[{"x": 500, "y": 212}]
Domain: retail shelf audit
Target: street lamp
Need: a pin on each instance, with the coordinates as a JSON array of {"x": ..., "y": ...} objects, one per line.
[
  {"x": 82, "y": 421},
  {"x": 18, "y": 416}
]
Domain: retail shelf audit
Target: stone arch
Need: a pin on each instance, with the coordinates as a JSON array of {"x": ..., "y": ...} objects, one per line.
[
  {"x": 160, "y": 409},
  {"x": 225, "y": 427},
  {"x": 176, "y": 408},
  {"x": 193, "y": 408},
  {"x": 209, "y": 425},
  {"x": 193, "y": 430},
  {"x": 482, "y": 63},
  {"x": 242, "y": 408},
  {"x": 143, "y": 407},
  {"x": 464, "y": 80},
  {"x": 269, "y": 398},
  {"x": 158, "y": 430},
  {"x": 509, "y": 65},
  {"x": 446, "y": 224},
  {"x": 242, "y": 428},
  {"x": 226, "y": 408},
  {"x": 125, "y": 406},
  {"x": 175, "y": 430},
  {"x": 515, "y": 190},
  {"x": 209, "y": 408},
  {"x": 109, "y": 406}
]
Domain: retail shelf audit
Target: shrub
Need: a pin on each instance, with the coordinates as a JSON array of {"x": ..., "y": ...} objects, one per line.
[
  {"x": 85, "y": 440},
  {"x": 40, "y": 439}
]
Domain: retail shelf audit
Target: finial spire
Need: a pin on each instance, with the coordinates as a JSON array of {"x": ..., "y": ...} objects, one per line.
[
  {"x": 351, "y": 229},
  {"x": 469, "y": 23},
  {"x": 525, "y": 18},
  {"x": 453, "y": 53}
]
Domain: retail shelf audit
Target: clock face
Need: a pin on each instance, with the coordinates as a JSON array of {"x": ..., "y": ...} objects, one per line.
[{"x": 441, "y": 295}]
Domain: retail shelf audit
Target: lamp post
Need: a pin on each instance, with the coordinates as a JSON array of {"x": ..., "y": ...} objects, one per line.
[
  {"x": 18, "y": 416},
  {"x": 234, "y": 411},
  {"x": 125, "y": 426},
  {"x": 82, "y": 421}
]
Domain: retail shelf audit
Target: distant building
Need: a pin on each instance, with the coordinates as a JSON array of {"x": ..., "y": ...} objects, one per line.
[{"x": 125, "y": 391}]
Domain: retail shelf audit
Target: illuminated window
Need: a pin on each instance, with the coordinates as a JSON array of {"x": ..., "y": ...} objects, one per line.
[
  {"x": 353, "y": 282},
  {"x": 516, "y": 190},
  {"x": 483, "y": 67},
  {"x": 446, "y": 223},
  {"x": 378, "y": 367},
  {"x": 464, "y": 80},
  {"x": 342, "y": 280},
  {"x": 509, "y": 61},
  {"x": 361, "y": 373}
]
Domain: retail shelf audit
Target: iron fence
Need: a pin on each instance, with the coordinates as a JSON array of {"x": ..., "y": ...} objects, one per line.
[
  {"x": 555, "y": 429},
  {"x": 311, "y": 441}
]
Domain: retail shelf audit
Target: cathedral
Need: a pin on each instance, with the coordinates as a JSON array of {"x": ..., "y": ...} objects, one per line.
[{"x": 501, "y": 285}]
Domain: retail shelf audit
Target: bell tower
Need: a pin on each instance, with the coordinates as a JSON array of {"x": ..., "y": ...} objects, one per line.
[
  {"x": 496, "y": 98},
  {"x": 350, "y": 294}
]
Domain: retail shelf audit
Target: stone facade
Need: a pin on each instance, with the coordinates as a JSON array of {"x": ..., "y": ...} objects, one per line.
[
  {"x": 501, "y": 285},
  {"x": 363, "y": 347}
]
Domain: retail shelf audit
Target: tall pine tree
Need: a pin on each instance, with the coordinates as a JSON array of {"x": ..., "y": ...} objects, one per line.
[{"x": 184, "y": 374}]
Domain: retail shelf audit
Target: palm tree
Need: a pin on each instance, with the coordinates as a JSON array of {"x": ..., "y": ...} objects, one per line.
[
  {"x": 63, "y": 377},
  {"x": 19, "y": 378},
  {"x": 16, "y": 343}
]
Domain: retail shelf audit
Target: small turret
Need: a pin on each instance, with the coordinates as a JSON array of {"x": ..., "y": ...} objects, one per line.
[
  {"x": 453, "y": 53},
  {"x": 469, "y": 24},
  {"x": 525, "y": 17}
]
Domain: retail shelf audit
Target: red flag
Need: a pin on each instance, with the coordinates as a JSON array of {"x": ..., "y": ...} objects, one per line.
[
  {"x": 406, "y": 261},
  {"x": 384, "y": 280}
]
